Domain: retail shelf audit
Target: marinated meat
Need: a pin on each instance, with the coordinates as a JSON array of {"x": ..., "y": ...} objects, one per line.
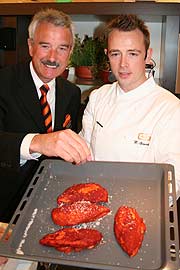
[
  {"x": 86, "y": 191},
  {"x": 72, "y": 239},
  {"x": 78, "y": 212},
  {"x": 129, "y": 229}
]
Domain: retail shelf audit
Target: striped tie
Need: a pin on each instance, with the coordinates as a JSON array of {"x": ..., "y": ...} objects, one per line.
[{"x": 45, "y": 108}]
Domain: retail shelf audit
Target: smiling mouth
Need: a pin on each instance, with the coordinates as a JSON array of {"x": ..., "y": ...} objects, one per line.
[{"x": 50, "y": 64}]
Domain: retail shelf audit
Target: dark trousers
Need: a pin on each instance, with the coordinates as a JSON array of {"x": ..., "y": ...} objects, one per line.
[{"x": 13, "y": 184}]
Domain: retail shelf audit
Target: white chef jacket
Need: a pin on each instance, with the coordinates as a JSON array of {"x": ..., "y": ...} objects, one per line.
[{"x": 142, "y": 125}]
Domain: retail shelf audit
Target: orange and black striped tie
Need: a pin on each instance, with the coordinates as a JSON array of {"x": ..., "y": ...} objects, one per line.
[{"x": 45, "y": 108}]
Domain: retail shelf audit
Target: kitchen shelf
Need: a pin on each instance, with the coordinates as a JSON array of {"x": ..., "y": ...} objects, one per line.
[{"x": 95, "y": 8}]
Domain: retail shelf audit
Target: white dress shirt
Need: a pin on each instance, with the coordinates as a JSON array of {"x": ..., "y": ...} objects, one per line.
[{"x": 25, "y": 145}]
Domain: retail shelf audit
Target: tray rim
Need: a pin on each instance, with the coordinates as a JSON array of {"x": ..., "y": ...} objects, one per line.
[{"x": 5, "y": 249}]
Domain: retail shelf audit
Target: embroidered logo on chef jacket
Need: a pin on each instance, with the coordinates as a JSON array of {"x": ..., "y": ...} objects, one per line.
[{"x": 143, "y": 139}]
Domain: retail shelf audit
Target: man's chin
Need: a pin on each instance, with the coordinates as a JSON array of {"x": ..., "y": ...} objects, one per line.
[{"x": 51, "y": 74}]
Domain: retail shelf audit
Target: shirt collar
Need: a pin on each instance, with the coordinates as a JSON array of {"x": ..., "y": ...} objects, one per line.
[
  {"x": 145, "y": 87},
  {"x": 37, "y": 80}
]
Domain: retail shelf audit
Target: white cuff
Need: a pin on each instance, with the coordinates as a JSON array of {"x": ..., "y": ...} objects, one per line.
[{"x": 24, "y": 150}]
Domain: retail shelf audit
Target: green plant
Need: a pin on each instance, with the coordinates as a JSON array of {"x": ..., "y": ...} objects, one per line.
[{"x": 88, "y": 52}]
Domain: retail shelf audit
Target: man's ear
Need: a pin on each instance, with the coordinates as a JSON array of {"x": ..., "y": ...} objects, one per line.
[
  {"x": 149, "y": 56},
  {"x": 30, "y": 46},
  {"x": 105, "y": 51}
]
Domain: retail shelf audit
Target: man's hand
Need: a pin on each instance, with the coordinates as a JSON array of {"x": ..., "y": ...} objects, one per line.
[{"x": 65, "y": 144}]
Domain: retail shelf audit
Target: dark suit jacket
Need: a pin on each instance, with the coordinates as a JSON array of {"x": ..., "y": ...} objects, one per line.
[{"x": 20, "y": 114}]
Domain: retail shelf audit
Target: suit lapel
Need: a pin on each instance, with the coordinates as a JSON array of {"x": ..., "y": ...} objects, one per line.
[
  {"x": 28, "y": 94},
  {"x": 62, "y": 99},
  {"x": 30, "y": 101}
]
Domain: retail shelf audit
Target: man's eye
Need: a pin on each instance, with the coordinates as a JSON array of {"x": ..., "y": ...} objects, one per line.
[
  {"x": 63, "y": 49},
  {"x": 44, "y": 46},
  {"x": 114, "y": 54},
  {"x": 133, "y": 54}
]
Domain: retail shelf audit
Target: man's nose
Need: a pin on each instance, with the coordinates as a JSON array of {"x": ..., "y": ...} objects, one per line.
[
  {"x": 123, "y": 61},
  {"x": 52, "y": 54}
]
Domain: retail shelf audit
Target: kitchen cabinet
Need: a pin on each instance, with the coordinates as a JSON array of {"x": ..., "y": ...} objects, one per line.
[{"x": 167, "y": 13}]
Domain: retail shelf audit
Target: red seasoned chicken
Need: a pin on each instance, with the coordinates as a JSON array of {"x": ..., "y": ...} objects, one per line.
[
  {"x": 86, "y": 191},
  {"x": 72, "y": 239},
  {"x": 78, "y": 212},
  {"x": 129, "y": 229}
]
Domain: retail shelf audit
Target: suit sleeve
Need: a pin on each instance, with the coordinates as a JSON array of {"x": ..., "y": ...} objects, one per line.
[
  {"x": 75, "y": 107},
  {"x": 10, "y": 150},
  {"x": 9, "y": 142}
]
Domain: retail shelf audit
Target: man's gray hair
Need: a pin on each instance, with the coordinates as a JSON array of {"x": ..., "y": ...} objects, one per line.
[{"x": 56, "y": 17}]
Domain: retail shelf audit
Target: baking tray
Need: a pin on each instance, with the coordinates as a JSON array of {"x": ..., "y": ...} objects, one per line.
[{"x": 150, "y": 188}]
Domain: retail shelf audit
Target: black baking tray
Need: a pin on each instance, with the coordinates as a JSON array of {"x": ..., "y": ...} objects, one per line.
[{"x": 149, "y": 188}]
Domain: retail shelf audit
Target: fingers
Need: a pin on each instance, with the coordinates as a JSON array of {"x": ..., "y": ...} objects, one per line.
[
  {"x": 75, "y": 148},
  {"x": 81, "y": 147},
  {"x": 65, "y": 144}
]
